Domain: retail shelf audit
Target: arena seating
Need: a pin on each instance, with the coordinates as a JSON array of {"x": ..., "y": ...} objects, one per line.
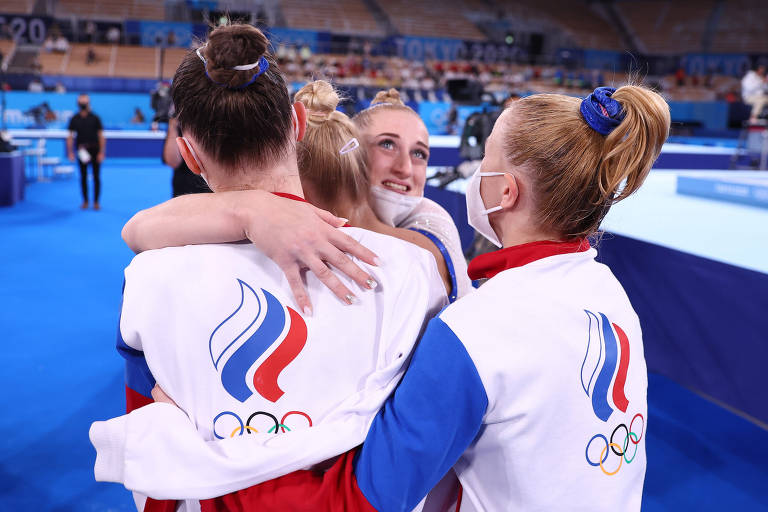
[
  {"x": 428, "y": 19},
  {"x": 76, "y": 60},
  {"x": 112, "y": 9},
  {"x": 577, "y": 19},
  {"x": 742, "y": 27},
  {"x": 136, "y": 61},
  {"x": 16, "y": 6},
  {"x": 343, "y": 16},
  {"x": 171, "y": 61},
  {"x": 53, "y": 63},
  {"x": 666, "y": 27}
]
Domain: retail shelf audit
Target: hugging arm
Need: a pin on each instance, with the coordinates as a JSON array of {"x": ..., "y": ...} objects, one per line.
[{"x": 295, "y": 235}]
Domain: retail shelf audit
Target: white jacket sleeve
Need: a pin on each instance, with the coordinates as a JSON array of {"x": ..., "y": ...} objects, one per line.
[{"x": 155, "y": 450}]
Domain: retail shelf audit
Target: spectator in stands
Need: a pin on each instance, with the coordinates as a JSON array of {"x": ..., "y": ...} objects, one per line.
[
  {"x": 90, "y": 32},
  {"x": 558, "y": 77},
  {"x": 305, "y": 53},
  {"x": 86, "y": 130},
  {"x": 35, "y": 85},
  {"x": 59, "y": 88},
  {"x": 754, "y": 91},
  {"x": 282, "y": 52},
  {"x": 113, "y": 35},
  {"x": 90, "y": 56},
  {"x": 680, "y": 77},
  {"x": 49, "y": 43},
  {"x": 171, "y": 39},
  {"x": 61, "y": 45}
]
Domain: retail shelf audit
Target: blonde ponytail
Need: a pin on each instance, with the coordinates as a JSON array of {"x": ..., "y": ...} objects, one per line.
[
  {"x": 329, "y": 173},
  {"x": 576, "y": 172},
  {"x": 632, "y": 148}
]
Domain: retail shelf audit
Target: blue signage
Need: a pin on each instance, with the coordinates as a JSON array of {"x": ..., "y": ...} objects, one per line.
[
  {"x": 723, "y": 64},
  {"x": 115, "y": 110},
  {"x": 426, "y": 48}
]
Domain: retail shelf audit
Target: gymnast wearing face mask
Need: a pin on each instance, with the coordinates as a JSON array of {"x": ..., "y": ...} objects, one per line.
[{"x": 396, "y": 143}]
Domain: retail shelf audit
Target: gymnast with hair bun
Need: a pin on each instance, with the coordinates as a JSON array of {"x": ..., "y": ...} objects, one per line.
[{"x": 209, "y": 328}]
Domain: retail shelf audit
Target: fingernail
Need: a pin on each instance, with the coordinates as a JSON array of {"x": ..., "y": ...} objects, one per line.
[
  {"x": 343, "y": 220},
  {"x": 377, "y": 261},
  {"x": 371, "y": 284},
  {"x": 351, "y": 299},
  {"x": 307, "y": 311}
]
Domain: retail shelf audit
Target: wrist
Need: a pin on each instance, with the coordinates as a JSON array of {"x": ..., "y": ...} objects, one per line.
[{"x": 242, "y": 212}]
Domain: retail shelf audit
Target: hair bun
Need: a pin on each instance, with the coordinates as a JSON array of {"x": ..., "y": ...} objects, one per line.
[
  {"x": 320, "y": 98},
  {"x": 234, "y": 45},
  {"x": 392, "y": 97}
]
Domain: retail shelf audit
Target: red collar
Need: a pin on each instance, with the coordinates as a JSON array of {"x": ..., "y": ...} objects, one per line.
[
  {"x": 297, "y": 198},
  {"x": 290, "y": 196},
  {"x": 488, "y": 265}
]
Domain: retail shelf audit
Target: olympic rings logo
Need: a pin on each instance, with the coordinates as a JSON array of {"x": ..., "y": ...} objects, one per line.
[
  {"x": 630, "y": 437},
  {"x": 246, "y": 427}
]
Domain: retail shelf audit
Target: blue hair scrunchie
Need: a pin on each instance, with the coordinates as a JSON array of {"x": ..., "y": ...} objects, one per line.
[{"x": 601, "y": 112}]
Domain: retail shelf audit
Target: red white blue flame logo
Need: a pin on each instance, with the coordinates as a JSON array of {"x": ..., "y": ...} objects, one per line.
[
  {"x": 607, "y": 347},
  {"x": 237, "y": 343}
]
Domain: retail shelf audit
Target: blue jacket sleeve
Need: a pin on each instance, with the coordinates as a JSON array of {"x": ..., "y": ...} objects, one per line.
[
  {"x": 138, "y": 378},
  {"x": 424, "y": 427}
]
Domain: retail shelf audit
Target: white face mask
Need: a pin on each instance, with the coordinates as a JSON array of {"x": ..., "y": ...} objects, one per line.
[
  {"x": 295, "y": 118},
  {"x": 477, "y": 213},
  {"x": 390, "y": 207},
  {"x": 197, "y": 160}
]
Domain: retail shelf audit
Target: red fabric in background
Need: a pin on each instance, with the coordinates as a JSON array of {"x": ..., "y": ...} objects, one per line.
[{"x": 301, "y": 491}]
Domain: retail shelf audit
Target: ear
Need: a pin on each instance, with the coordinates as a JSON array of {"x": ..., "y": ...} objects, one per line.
[
  {"x": 300, "y": 120},
  {"x": 188, "y": 157},
  {"x": 510, "y": 192}
]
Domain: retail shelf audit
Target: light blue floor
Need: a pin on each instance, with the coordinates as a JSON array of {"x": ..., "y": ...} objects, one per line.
[
  {"x": 61, "y": 274},
  {"x": 723, "y": 231}
]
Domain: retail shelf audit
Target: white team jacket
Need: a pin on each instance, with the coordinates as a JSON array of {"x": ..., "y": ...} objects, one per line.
[
  {"x": 533, "y": 388},
  {"x": 559, "y": 352},
  {"x": 220, "y": 336}
]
